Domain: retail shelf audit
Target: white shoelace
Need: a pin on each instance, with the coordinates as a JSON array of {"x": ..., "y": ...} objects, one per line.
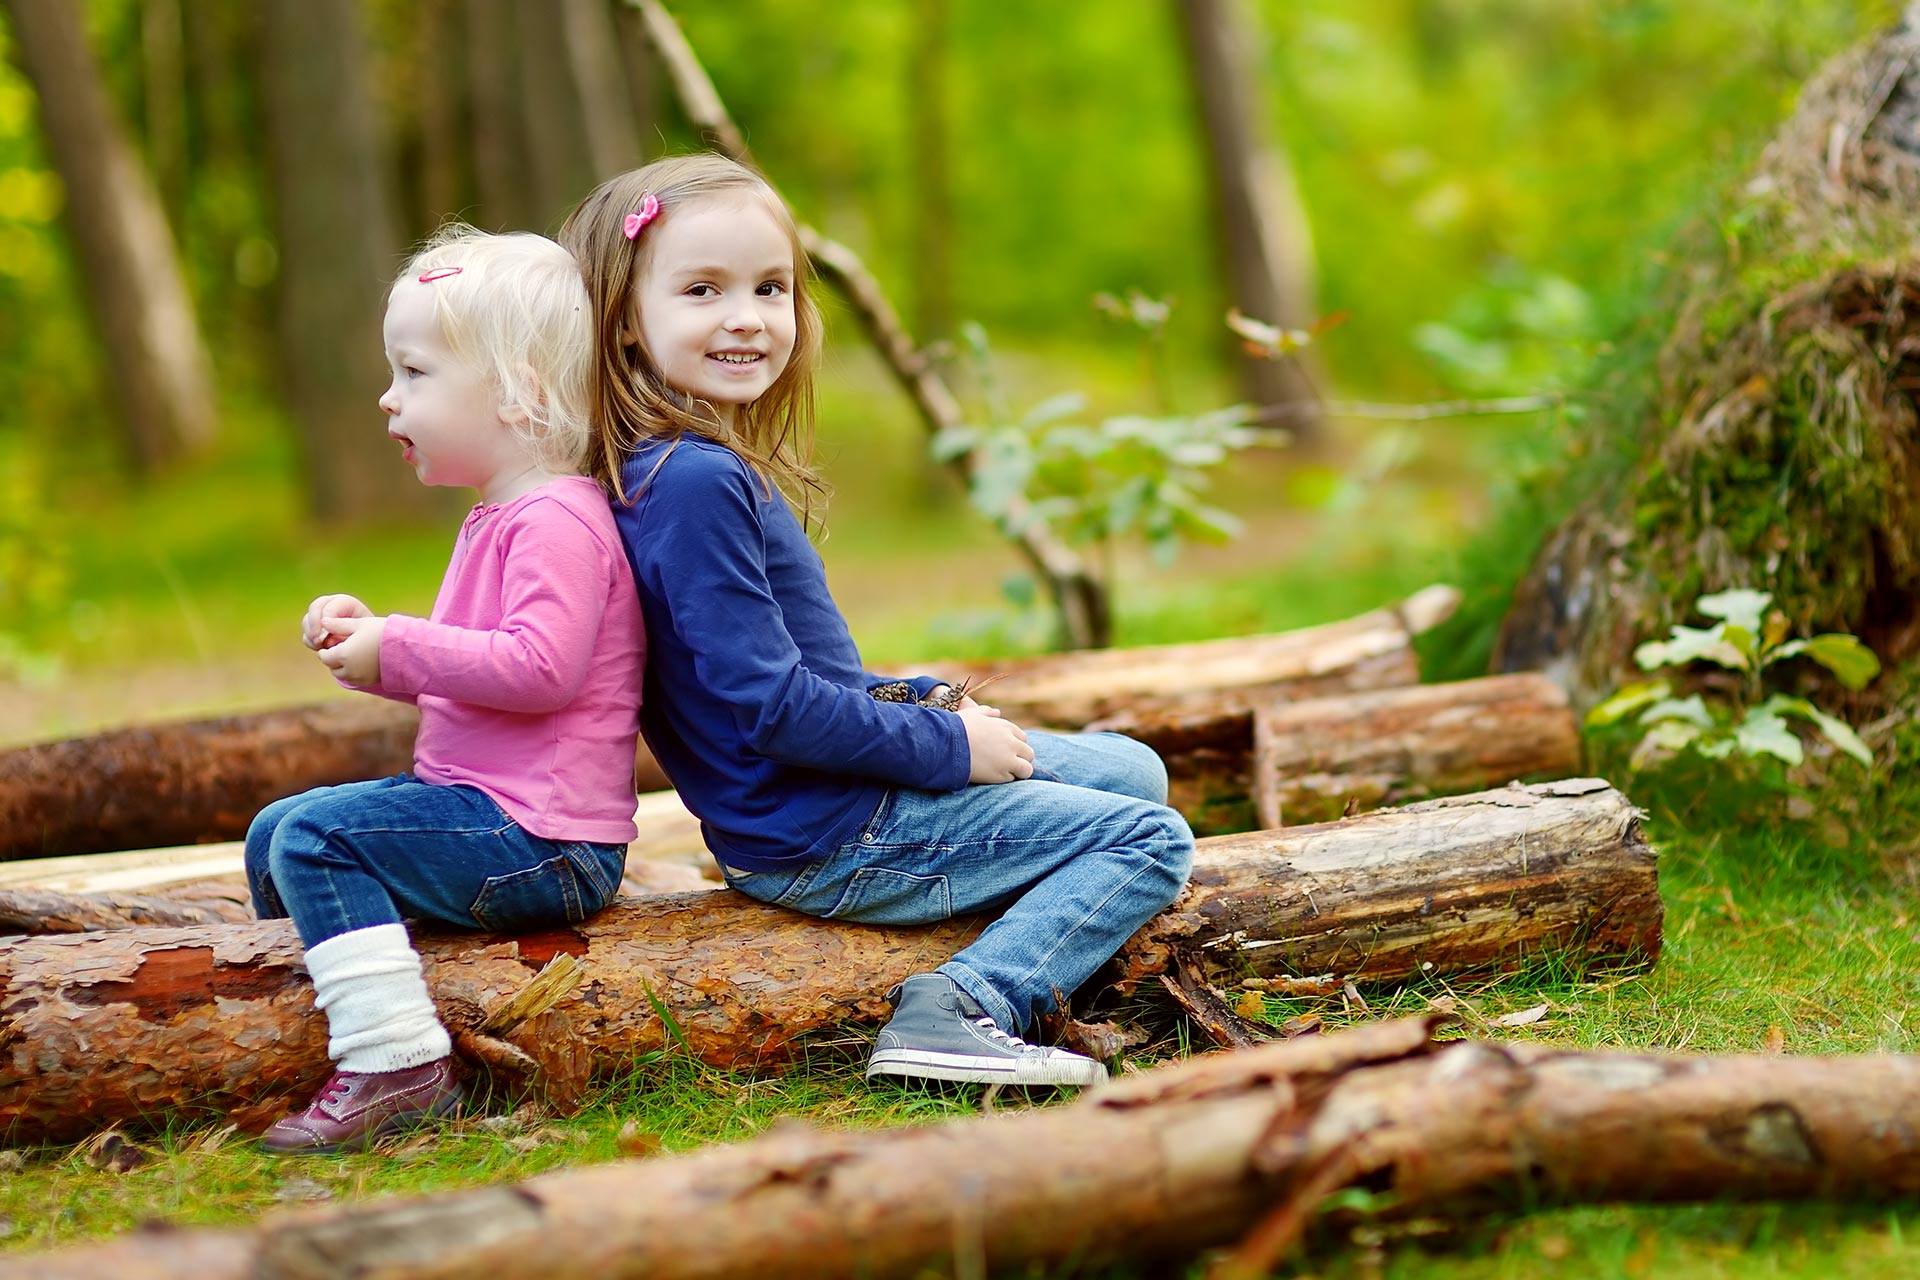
[{"x": 992, "y": 1028}]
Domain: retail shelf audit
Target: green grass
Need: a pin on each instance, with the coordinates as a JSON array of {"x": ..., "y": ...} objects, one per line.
[{"x": 1767, "y": 927}]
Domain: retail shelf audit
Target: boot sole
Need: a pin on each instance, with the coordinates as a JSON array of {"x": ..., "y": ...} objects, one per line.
[
  {"x": 446, "y": 1108},
  {"x": 974, "y": 1069}
]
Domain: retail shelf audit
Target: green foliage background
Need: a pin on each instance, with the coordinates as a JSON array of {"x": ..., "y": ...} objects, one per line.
[{"x": 1489, "y": 187}]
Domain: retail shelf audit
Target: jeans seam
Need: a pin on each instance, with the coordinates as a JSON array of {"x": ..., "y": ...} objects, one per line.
[{"x": 1061, "y": 939}]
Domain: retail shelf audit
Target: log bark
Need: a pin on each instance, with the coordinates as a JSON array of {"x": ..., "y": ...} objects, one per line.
[
  {"x": 1235, "y": 768},
  {"x": 38, "y": 911},
  {"x": 106, "y": 1027},
  {"x": 192, "y": 781},
  {"x": 1313, "y": 760},
  {"x": 202, "y": 884},
  {"x": 1242, "y": 1146}
]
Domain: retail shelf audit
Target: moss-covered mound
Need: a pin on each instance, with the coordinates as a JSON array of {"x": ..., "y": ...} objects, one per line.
[{"x": 1774, "y": 441}]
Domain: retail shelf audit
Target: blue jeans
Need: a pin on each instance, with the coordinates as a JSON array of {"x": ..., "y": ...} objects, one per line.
[
  {"x": 1076, "y": 862},
  {"x": 342, "y": 858}
]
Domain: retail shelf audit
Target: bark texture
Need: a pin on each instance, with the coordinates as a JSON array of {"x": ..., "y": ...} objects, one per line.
[
  {"x": 106, "y": 1027},
  {"x": 1312, "y": 760},
  {"x": 1235, "y": 768},
  {"x": 1240, "y": 1146},
  {"x": 190, "y": 781},
  {"x": 193, "y": 781},
  {"x": 50, "y": 911}
]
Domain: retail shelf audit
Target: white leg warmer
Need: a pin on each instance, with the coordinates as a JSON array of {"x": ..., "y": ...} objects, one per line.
[{"x": 379, "y": 1015}]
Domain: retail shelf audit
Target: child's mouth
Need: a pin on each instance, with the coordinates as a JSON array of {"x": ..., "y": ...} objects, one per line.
[{"x": 736, "y": 357}]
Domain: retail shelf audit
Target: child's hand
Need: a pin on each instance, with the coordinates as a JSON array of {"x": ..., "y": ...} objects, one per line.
[
  {"x": 998, "y": 746},
  {"x": 352, "y": 649},
  {"x": 313, "y": 627}
]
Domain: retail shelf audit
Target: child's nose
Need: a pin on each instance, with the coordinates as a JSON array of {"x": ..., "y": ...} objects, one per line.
[{"x": 389, "y": 400}]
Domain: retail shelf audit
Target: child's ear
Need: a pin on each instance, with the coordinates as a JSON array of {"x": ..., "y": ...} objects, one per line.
[{"x": 532, "y": 392}]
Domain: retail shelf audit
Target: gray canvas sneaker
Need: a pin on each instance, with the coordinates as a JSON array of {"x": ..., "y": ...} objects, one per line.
[{"x": 938, "y": 1032}]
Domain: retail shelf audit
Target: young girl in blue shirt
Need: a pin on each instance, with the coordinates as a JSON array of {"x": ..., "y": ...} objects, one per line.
[{"x": 813, "y": 794}]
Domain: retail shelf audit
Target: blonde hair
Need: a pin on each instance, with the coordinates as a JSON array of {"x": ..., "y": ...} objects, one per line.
[
  {"x": 513, "y": 307},
  {"x": 632, "y": 403}
]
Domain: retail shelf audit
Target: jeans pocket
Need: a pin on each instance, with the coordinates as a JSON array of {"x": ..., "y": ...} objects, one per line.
[
  {"x": 599, "y": 867},
  {"x": 541, "y": 897},
  {"x": 880, "y": 895}
]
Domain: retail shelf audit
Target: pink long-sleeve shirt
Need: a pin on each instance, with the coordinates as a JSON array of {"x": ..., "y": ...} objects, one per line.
[{"x": 527, "y": 672}]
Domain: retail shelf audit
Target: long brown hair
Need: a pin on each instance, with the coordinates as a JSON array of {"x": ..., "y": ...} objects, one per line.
[{"x": 632, "y": 404}]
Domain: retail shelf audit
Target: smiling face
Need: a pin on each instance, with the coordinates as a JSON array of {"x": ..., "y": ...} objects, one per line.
[
  {"x": 716, "y": 302},
  {"x": 439, "y": 407}
]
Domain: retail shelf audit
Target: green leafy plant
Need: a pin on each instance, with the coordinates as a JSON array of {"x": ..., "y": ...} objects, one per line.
[
  {"x": 1097, "y": 483},
  {"x": 1747, "y": 719}
]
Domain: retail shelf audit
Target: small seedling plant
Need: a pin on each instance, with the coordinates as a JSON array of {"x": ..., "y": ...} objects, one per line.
[{"x": 1742, "y": 717}]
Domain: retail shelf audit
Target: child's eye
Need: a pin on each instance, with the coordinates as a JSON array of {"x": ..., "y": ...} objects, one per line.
[
  {"x": 701, "y": 291},
  {"x": 772, "y": 289},
  {"x": 411, "y": 372}
]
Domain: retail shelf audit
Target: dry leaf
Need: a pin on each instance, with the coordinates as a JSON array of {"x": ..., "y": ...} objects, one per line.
[
  {"x": 214, "y": 1139},
  {"x": 1250, "y": 1005},
  {"x": 1523, "y": 1018},
  {"x": 633, "y": 1141},
  {"x": 1776, "y": 1039},
  {"x": 302, "y": 1189},
  {"x": 110, "y": 1151},
  {"x": 1353, "y": 995},
  {"x": 12, "y": 1162},
  {"x": 1305, "y": 1025}
]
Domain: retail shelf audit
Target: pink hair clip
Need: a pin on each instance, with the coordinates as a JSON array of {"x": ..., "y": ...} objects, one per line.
[
  {"x": 439, "y": 273},
  {"x": 637, "y": 220}
]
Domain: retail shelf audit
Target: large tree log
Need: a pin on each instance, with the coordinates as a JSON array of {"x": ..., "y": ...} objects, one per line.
[
  {"x": 205, "y": 883},
  {"x": 203, "y": 780},
  {"x": 105, "y": 1027},
  {"x": 1232, "y": 767},
  {"x": 1242, "y": 1146},
  {"x": 33, "y": 911},
  {"x": 1312, "y": 760}
]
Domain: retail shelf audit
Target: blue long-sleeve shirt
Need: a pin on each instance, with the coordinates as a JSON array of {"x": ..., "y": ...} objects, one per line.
[{"x": 756, "y": 701}]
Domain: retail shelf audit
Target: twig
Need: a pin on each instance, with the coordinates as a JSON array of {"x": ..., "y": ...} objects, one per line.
[
  {"x": 1404, "y": 412},
  {"x": 1081, "y": 601}
]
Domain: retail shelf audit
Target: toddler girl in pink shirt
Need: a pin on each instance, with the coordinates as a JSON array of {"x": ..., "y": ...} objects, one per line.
[{"x": 520, "y": 804}]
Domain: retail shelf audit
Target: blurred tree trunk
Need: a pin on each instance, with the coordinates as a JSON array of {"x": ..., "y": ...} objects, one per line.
[
  {"x": 562, "y": 162},
  {"x": 642, "y": 79},
  {"x": 338, "y": 245},
  {"x": 435, "y": 164},
  {"x": 932, "y": 176},
  {"x": 1266, "y": 247},
  {"x": 600, "y": 85},
  {"x": 155, "y": 360},
  {"x": 500, "y": 144},
  {"x": 164, "y": 78}
]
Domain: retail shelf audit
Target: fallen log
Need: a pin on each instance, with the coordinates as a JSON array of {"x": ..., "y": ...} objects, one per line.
[
  {"x": 1313, "y": 761},
  {"x": 206, "y": 883},
  {"x": 104, "y": 1027},
  {"x": 194, "y": 781},
  {"x": 1240, "y": 1147},
  {"x": 24, "y": 911},
  {"x": 1232, "y": 766}
]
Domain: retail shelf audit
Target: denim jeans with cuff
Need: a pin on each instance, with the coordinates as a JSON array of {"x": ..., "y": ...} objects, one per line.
[
  {"x": 1077, "y": 858},
  {"x": 343, "y": 858}
]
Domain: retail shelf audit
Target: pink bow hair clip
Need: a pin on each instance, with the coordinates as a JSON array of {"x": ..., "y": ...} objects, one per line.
[
  {"x": 637, "y": 220},
  {"x": 438, "y": 273}
]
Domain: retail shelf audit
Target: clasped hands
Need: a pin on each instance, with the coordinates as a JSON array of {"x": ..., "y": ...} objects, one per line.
[
  {"x": 997, "y": 746},
  {"x": 345, "y": 634}
]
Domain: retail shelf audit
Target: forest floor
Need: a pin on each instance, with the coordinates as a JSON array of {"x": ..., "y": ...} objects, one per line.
[{"x": 1795, "y": 933}]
